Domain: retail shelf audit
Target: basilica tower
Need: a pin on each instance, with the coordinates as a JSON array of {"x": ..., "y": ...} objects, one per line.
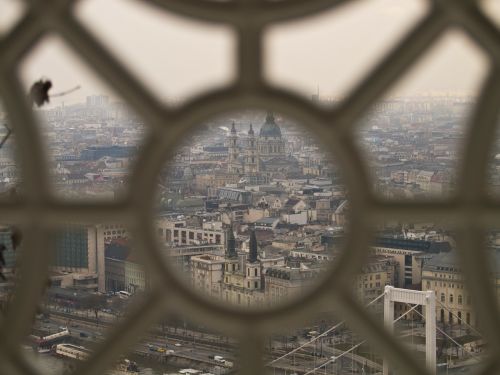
[
  {"x": 232, "y": 163},
  {"x": 251, "y": 156}
]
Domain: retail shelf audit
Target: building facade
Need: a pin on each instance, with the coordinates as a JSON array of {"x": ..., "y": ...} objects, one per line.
[
  {"x": 207, "y": 271},
  {"x": 409, "y": 255},
  {"x": 443, "y": 275},
  {"x": 177, "y": 232}
]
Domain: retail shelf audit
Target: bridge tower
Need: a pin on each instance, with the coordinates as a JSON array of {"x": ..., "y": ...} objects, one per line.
[{"x": 415, "y": 297}]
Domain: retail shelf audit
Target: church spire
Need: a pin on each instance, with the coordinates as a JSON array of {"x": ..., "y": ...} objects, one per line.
[
  {"x": 252, "y": 257},
  {"x": 233, "y": 129},
  {"x": 270, "y": 117},
  {"x": 231, "y": 244},
  {"x": 250, "y": 132}
]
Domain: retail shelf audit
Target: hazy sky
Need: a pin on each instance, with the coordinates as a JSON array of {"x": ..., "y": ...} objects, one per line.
[{"x": 176, "y": 57}]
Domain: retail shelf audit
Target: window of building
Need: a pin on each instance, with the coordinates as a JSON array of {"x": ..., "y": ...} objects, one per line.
[{"x": 408, "y": 261}]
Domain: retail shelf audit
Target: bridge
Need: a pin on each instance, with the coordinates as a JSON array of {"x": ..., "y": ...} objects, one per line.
[{"x": 412, "y": 299}]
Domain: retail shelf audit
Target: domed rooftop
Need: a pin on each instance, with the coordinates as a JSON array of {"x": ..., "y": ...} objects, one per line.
[{"x": 270, "y": 128}]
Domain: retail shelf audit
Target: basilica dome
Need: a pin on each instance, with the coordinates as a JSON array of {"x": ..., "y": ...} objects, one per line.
[{"x": 270, "y": 128}]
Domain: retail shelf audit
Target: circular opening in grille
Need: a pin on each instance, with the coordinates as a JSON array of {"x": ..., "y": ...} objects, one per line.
[{"x": 251, "y": 210}]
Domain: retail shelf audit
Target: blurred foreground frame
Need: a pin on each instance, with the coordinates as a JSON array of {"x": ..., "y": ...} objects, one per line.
[{"x": 470, "y": 211}]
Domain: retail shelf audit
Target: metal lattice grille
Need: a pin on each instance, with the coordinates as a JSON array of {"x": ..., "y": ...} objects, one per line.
[{"x": 470, "y": 211}]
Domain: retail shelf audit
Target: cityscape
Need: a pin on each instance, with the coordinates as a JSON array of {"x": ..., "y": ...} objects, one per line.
[{"x": 251, "y": 211}]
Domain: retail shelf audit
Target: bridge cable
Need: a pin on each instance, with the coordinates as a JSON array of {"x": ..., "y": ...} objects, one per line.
[
  {"x": 331, "y": 360},
  {"x": 459, "y": 318},
  {"x": 472, "y": 354},
  {"x": 319, "y": 336}
]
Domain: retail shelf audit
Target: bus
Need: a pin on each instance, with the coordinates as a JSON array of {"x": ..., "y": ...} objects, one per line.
[
  {"x": 123, "y": 294},
  {"x": 72, "y": 351},
  {"x": 312, "y": 334}
]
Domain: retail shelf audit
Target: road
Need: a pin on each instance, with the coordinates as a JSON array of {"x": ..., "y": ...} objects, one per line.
[{"x": 194, "y": 348}]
